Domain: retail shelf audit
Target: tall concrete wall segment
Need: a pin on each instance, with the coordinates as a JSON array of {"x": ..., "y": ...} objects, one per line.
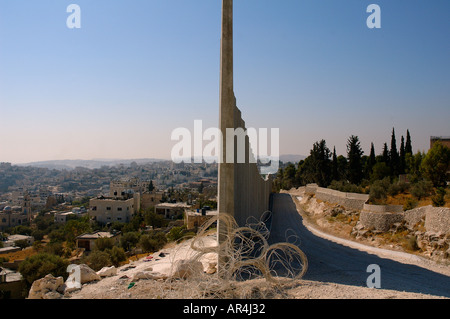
[{"x": 243, "y": 193}]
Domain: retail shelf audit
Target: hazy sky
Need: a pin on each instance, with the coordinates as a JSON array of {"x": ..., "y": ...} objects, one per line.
[{"x": 136, "y": 70}]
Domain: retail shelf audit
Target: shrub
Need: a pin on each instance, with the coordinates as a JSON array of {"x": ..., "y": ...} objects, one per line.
[
  {"x": 38, "y": 266},
  {"x": 378, "y": 190},
  {"x": 38, "y": 234},
  {"x": 153, "y": 219},
  {"x": 439, "y": 199},
  {"x": 98, "y": 259},
  {"x": 129, "y": 240},
  {"x": 57, "y": 236},
  {"x": 176, "y": 233},
  {"x": 410, "y": 203},
  {"x": 422, "y": 189},
  {"x": 54, "y": 248},
  {"x": 346, "y": 187},
  {"x": 117, "y": 255},
  {"x": 22, "y": 243},
  {"x": 104, "y": 243},
  {"x": 394, "y": 189},
  {"x": 152, "y": 242}
]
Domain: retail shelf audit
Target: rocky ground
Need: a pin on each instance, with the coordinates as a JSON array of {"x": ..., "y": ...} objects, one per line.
[
  {"x": 336, "y": 221},
  {"x": 176, "y": 273}
]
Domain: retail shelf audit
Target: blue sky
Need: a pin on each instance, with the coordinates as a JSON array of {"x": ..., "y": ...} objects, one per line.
[{"x": 136, "y": 70}]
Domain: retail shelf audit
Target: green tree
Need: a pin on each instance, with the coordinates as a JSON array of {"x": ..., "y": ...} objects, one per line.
[
  {"x": 153, "y": 219},
  {"x": 151, "y": 187},
  {"x": 385, "y": 157},
  {"x": 38, "y": 266},
  {"x": 438, "y": 199},
  {"x": 116, "y": 255},
  {"x": 76, "y": 227},
  {"x": 371, "y": 161},
  {"x": 436, "y": 164},
  {"x": 402, "y": 160},
  {"x": 176, "y": 233},
  {"x": 354, "y": 153},
  {"x": 334, "y": 167},
  {"x": 413, "y": 164},
  {"x": 379, "y": 190},
  {"x": 394, "y": 156},
  {"x": 23, "y": 243},
  {"x": 57, "y": 235},
  {"x": 129, "y": 240},
  {"x": 152, "y": 242},
  {"x": 342, "y": 167},
  {"x": 137, "y": 221},
  {"x": 379, "y": 171},
  {"x": 408, "y": 145},
  {"x": 421, "y": 189},
  {"x": 289, "y": 180},
  {"x": 55, "y": 248},
  {"x": 104, "y": 243},
  {"x": 318, "y": 169},
  {"x": 21, "y": 230},
  {"x": 97, "y": 259}
]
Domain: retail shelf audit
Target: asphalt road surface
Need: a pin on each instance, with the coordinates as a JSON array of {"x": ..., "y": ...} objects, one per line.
[{"x": 335, "y": 263}]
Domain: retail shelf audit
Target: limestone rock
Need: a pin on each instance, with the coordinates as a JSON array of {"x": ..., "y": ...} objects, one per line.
[
  {"x": 107, "y": 271},
  {"x": 87, "y": 274},
  {"x": 185, "y": 269},
  {"x": 148, "y": 275},
  {"x": 80, "y": 274},
  {"x": 46, "y": 288},
  {"x": 52, "y": 295}
]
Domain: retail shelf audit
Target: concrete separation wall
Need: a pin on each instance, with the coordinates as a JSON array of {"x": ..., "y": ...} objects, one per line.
[{"x": 242, "y": 191}]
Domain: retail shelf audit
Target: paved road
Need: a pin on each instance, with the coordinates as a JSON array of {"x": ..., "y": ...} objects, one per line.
[{"x": 332, "y": 262}]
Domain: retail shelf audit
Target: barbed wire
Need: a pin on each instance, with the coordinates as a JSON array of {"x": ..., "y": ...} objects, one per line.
[{"x": 246, "y": 266}]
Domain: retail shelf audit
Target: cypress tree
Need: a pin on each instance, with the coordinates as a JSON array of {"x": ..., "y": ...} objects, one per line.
[
  {"x": 354, "y": 153},
  {"x": 394, "y": 157},
  {"x": 408, "y": 146},
  {"x": 385, "y": 157},
  {"x": 334, "y": 167},
  {"x": 402, "y": 161},
  {"x": 370, "y": 162}
]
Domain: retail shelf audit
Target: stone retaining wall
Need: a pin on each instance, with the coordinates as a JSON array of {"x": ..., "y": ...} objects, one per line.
[
  {"x": 382, "y": 217},
  {"x": 383, "y": 208},
  {"x": 379, "y": 221},
  {"x": 437, "y": 219},
  {"x": 347, "y": 200}
]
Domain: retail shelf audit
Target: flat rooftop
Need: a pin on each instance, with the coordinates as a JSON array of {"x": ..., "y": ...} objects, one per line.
[{"x": 96, "y": 235}]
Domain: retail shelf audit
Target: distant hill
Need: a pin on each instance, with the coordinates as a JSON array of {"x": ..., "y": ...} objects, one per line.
[
  {"x": 92, "y": 164},
  {"x": 293, "y": 158},
  {"x": 98, "y": 163}
]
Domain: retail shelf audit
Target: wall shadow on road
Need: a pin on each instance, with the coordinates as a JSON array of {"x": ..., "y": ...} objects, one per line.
[{"x": 335, "y": 263}]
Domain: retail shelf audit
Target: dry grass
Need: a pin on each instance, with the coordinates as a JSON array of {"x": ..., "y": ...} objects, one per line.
[
  {"x": 401, "y": 199},
  {"x": 19, "y": 255}
]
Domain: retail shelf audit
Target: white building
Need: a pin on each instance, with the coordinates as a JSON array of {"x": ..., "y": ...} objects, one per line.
[
  {"x": 62, "y": 217},
  {"x": 111, "y": 209}
]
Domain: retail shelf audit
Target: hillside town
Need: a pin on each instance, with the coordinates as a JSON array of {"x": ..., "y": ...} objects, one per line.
[{"x": 39, "y": 205}]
